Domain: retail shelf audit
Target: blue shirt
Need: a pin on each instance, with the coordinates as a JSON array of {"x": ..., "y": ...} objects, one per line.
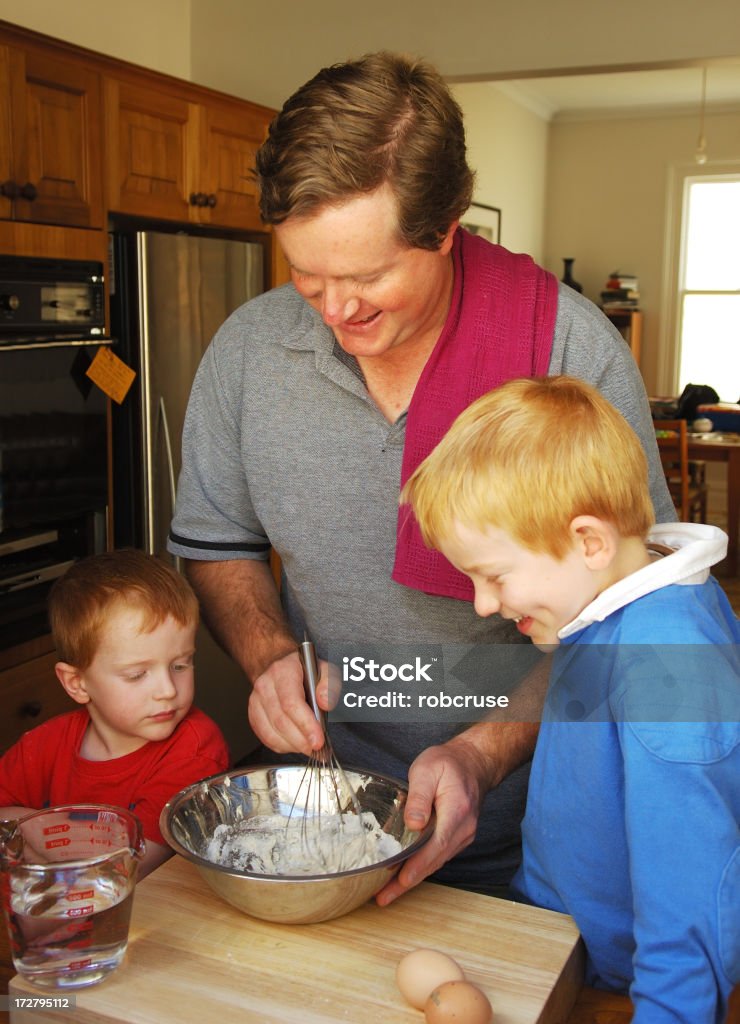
[{"x": 632, "y": 815}]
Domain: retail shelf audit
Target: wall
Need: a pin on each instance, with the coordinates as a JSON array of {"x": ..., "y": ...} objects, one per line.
[
  {"x": 507, "y": 148},
  {"x": 155, "y": 34},
  {"x": 265, "y": 51},
  {"x": 607, "y": 203}
]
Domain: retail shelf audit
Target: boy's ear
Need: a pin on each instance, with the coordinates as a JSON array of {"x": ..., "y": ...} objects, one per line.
[
  {"x": 72, "y": 681},
  {"x": 596, "y": 539}
]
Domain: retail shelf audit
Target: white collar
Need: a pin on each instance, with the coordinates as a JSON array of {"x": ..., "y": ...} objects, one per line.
[{"x": 695, "y": 549}]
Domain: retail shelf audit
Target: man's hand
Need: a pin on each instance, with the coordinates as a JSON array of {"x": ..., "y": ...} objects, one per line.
[
  {"x": 279, "y": 713},
  {"x": 453, "y": 779}
]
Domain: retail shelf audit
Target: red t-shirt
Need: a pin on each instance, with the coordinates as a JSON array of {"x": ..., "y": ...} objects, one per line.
[{"x": 44, "y": 768}]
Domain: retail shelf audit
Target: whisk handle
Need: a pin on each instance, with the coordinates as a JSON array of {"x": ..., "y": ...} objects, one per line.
[{"x": 311, "y": 680}]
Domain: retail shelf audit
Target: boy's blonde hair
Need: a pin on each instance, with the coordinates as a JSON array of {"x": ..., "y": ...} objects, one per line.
[
  {"x": 528, "y": 458},
  {"x": 81, "y": 600}
]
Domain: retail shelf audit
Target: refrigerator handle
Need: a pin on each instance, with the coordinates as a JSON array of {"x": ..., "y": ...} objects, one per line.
[
  {"x": 147, "y": 427},
  {"x": 162, "y": 419}
]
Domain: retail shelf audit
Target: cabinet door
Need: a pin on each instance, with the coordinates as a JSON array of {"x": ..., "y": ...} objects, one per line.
[
  {"x": 151, "y": 142},
  {"x": 54, "y": 131},
  {"x": 30, "y": 694},
  {"x": 230, "y": 139}
]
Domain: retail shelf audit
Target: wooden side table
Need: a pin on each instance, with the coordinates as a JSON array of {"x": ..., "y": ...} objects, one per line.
[{"x": 629, "y": 324}]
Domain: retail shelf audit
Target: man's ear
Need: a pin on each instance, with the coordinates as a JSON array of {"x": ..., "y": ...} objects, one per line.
[
  {"x": 73, "y": 682},
  {"x": 596, "y": 539},
  {"x": 446, "y": 244}
]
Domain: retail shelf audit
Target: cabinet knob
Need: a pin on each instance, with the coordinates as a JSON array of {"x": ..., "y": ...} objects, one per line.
[
  {"x": 31, "y": 709},
  {"x": 29, "y": 192},
  {"x": 10, "y": 189},
  {"x": 200, "y": 199},
  {"x": 211, "y": 200}
]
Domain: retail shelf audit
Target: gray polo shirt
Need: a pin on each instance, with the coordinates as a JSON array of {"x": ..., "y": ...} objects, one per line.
[{"x": 283, "y": 445}]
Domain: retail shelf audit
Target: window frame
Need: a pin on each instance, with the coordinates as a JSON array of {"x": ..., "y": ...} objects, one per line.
[{"x": 680, "y": 177}]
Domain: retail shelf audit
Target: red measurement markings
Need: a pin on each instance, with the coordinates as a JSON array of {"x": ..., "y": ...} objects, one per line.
[
  {"x": 80, "y": 911},
  {"x": 52, "y": 830},
  {"x": 84, "y": 894}
]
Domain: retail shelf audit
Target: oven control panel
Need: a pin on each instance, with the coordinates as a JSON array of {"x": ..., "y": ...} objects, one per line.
[{"x": 47, "y": 297}]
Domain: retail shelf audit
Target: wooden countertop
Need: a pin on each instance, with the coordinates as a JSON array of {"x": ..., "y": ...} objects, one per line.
[
  {"x": 193, "y": 958},
  {"x": 203, "y": 963}
]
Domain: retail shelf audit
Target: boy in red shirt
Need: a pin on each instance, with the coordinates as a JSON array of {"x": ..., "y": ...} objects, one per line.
[{"x": 124, "y": 627}]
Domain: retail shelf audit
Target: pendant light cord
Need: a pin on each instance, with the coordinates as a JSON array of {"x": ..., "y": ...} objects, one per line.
[{"x": 701, "y": 147}]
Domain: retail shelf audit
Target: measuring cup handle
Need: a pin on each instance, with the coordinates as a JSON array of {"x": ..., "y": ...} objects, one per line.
[{"x": 11, "y": 841}]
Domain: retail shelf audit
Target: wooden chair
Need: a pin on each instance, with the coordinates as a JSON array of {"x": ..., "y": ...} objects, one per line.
[{"x": 686, "y": 480}]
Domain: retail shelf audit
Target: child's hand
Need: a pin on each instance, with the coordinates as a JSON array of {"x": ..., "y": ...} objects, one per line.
[
  {"x": 14, "y": 813},
  {"x": 155, "y": 855}
]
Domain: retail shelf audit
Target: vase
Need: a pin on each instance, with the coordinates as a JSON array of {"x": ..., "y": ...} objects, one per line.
[{"x": 568, "y": 278}]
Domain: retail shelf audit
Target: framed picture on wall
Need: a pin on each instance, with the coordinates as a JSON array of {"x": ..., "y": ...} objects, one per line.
[{"x": 483, "y": 220}]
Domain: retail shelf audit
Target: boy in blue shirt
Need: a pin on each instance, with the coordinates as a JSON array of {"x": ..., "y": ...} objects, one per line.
[{"x": 539, "y": 494}]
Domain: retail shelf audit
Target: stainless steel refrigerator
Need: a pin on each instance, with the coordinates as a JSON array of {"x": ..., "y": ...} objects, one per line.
[{"x": 170, "y": 291}]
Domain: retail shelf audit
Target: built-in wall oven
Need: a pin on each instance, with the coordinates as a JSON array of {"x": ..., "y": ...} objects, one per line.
[{"x": 53, "y": 433}]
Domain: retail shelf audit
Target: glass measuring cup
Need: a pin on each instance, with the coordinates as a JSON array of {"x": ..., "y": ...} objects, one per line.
[{"x": 68, "y": 876}]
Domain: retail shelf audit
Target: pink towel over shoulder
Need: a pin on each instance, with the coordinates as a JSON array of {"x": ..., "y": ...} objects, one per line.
[{"x": 500, "y": 326}]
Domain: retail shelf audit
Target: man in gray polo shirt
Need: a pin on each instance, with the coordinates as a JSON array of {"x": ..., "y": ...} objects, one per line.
[{"x": 295, "y": 434}]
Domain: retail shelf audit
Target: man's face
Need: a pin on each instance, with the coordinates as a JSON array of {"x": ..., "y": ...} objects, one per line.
[{"x": 370, "y": 287}]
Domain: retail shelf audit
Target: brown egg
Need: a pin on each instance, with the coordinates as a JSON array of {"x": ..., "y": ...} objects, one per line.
[
  {"x": 423, "y": 970},
  {"x": 458, "y": 1001}
]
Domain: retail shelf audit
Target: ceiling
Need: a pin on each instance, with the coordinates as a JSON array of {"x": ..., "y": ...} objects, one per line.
[{"x": 627, "y": 92}]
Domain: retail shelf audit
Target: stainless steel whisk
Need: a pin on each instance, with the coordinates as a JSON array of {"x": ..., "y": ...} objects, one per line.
[{"x": 325, "y": 790}]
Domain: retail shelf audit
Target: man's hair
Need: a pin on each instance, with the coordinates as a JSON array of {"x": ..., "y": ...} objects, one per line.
[
  {"x": 82, "y": 599},
  {"x": 384, "y": 118},
  {"x": 529, "y": 457}
]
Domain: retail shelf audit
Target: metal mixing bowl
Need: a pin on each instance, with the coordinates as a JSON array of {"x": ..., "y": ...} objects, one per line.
[{"x": 189, "y": 820}]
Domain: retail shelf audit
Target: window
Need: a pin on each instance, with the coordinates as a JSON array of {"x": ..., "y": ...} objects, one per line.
[{"x": 709, "y": 285}]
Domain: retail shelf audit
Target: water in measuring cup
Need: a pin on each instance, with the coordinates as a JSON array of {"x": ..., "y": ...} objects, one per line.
[{"x": 68, "y": 939}]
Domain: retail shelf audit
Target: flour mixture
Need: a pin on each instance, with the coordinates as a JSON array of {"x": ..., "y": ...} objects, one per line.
[{"x": 314, "y": 846}]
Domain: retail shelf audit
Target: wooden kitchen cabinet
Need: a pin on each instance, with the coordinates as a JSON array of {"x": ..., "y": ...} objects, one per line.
[
  {"x": 172, "y": 157},
  {"x": 83, "y": 135},
  {"x": 230, "y": 138},
  {"x": 50, "y": 169},
  {"x": 30, "y": 694},
  {"x": 149, "y": 138}
]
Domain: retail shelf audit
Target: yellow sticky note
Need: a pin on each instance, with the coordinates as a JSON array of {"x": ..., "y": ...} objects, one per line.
[{"x": 111, "y": 374}]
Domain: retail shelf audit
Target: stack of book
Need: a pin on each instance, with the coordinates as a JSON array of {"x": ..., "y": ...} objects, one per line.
[{"x": 621, "y": 292}]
